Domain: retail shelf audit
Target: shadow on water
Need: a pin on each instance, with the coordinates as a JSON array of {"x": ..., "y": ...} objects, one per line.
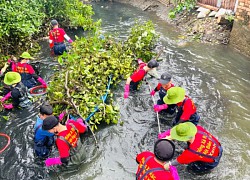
[{"x": 216, "y": 77}]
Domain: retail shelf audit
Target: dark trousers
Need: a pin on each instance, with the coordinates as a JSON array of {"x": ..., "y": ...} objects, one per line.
[
  {"x": 203, "y": 167},
  {"x": 59, "y": 49}
]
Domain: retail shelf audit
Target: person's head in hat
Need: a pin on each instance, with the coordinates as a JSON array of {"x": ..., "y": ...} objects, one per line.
[
  {"x": 152, "y": 64},
  {"x": 12, "y": 78},
  {"x": 164, "y": 150},
  {"x": 54, "y": 23},
  {"x": 25, "y": 57},
  {"x": 174, "y": 95},
  {"x": 52, "y": 125},
  {"x": 183, "y": 132},
  {"x": 45, "y": 111},
  {"x": 165, "y": 80}
]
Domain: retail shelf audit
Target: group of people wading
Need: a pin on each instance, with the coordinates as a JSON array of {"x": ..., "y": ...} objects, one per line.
[
  {"x": 19, "y": 78},
  {"x": 203, "y": 150}
]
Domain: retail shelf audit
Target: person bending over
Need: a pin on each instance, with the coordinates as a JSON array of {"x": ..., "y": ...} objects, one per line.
[
  {"x": 134, "y": 80},
  {"x": 67, "y": 138}
]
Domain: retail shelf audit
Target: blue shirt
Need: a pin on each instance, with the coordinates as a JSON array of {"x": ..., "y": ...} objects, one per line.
[{"x": 40, "y": 133}]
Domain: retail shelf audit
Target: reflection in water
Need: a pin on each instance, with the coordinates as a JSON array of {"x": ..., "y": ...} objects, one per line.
[{"x": 216, "y": 77}]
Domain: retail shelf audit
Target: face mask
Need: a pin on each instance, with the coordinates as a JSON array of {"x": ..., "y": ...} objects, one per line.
[{"x": 28, "y": 61}]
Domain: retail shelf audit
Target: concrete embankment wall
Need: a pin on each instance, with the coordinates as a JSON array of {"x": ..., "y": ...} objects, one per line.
[{"x": 240, "y": 35}]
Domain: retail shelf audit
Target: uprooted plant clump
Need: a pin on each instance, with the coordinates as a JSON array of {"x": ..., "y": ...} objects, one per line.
[{"x": 92, "y": 61}]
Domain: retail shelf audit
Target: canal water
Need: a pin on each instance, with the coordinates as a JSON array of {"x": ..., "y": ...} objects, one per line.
[{"x": 216, "y": 77}]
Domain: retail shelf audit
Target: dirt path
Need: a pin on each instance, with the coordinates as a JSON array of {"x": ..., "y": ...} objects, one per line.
[{"x": 191, "y": 28}]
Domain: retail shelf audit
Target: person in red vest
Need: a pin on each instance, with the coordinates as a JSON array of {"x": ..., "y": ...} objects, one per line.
[
  {"x": 185, "y": 106},
  {"x": 134, "y": 80},
  {"x": 164, "y": 84},
  {"x": 203, "y": 152},
  {"x": 56, "y": 38},
  {"x": 27, "y": 72},
  {"x": 67, "y": 138},
  {"x": 151, "y": 165}
]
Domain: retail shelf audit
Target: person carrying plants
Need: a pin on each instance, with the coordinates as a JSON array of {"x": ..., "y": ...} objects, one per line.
[
  {"x": 151, "y": 165},
  {"x": 164, "y": 84},
  {"x": 56, "y": 38},
  {"x": 43, "y": 140},
  {"x": 18, "y": 92},
  {"x": 67, "y": 139},
  {"x": 186, "y": 109},
  {"x": 29, "y": 77},
  {"x": 134, "y": 80},
  {"x": 203, "y": 152}
]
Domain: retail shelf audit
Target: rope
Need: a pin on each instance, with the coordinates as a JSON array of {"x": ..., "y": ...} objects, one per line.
[
  {"x": 8, "y": 143},
  {"x": 104, "y": 97}
]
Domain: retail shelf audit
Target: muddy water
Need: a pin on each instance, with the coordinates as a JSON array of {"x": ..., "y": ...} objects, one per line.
[{"x": 216, "y": 77}]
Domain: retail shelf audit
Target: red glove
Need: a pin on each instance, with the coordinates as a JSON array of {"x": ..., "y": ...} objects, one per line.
[
  {"x": 158, "y": 108},
  {"x": 70, "y": 41},
  {"x": 8, "y": 106},
  {"x": 53, "y": 161},
  {"x": 126, "y": 91},
  {"x": 152, "y": 93}
]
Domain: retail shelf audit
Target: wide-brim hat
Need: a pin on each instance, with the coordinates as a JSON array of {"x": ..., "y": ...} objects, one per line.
[
  {"x": 183, "y": 131},
  {"x": 174, "y": 95},
  {"x": 164, "y": 149},
  {"x": 11, "y": 78},
  {"x": 50, "y": 122},
  {"x": 26, "y": 55}
]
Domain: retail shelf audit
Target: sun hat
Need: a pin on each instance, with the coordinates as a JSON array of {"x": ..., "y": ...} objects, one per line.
[
  {"x": 153, "y": 63},
  {"x": 50, "y": 122},
  {"x": 165, "y": 78},
  {"x": 174, "y": 95},
  {"x": 46, "y": 109},
  {"x": 183, "y": 131},
  {"x": 54, "y": 22},
  {"x": 11, "y": 78},
  {"x": 26, "y": 55},
  {"x": 164, "y": 149}
]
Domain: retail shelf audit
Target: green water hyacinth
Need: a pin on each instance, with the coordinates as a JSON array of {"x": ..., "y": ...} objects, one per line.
[{"x": 90, "y": 63}]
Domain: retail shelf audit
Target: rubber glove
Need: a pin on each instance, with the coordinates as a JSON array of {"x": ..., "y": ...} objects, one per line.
[
  {"x": 174, "y": 172},
  {"x": 70, "y": 41},
  {"x": 53, "y": 161},
  {"x": 7, "y": 96},
  {"x": 61, "y": 116},
  {"x": 8, "y": 106},
  {"x": 126, "y": 91},
  {"x": 158, "y": 108},
  {"x": 42, "y": 82},
  {"x": 164, "y": 134},
  {"x": 152, "y": 93},
  {"x": 80, "y": 121},
  {"x": 9, "y": 61},
  {"x": 139, "y": 61}
]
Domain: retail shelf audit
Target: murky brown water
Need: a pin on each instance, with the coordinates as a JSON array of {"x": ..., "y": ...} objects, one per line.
[{"x": 216, "y": 77}]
